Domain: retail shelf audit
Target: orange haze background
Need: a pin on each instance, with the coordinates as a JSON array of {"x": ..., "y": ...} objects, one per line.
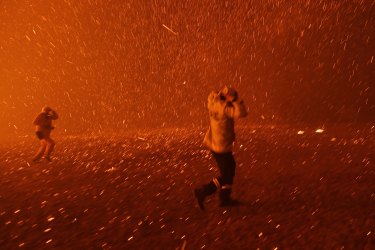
[{"x": 119, "y": 65}]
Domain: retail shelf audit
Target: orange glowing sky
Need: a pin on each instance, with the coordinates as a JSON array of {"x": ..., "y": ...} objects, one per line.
[{"x": 112, "y": 65}]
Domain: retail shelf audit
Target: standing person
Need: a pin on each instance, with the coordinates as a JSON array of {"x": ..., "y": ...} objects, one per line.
[
  {"x": 224, "y": 107},
  {"x": 43, "y": 128}
]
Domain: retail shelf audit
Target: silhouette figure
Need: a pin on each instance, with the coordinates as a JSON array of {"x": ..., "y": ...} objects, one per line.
[
  {"x": 43, "y": 128},
  {"x": 224, "y": 107}
]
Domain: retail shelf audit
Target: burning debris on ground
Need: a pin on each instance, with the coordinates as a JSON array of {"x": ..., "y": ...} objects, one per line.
[{"x": 125, "y": 192}]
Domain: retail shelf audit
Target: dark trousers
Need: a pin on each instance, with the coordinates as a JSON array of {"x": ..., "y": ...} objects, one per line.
[
  {"x": 227, "y": 167},
  {"x": 223, "y": 183}
]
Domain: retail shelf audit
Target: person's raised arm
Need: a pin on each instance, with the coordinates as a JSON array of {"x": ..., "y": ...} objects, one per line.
[
  {"x": 236, "y": 109},
  {"x": 38, "y": 119},
  {"x": 53, "y": 115}
]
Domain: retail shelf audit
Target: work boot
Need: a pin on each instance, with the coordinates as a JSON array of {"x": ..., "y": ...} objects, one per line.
[
  {"x": 200, "y": 196},
  {"x": 48, "y": 158},
  {"x": 36, "y": 159},
  {"x": 201, "y": 193},
  {"x": 226, "y": 200}
]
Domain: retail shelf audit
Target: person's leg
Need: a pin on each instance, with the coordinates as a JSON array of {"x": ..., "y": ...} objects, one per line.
[
  {"x": 50, "y": 147},
  {"x": 215, "y": 184},
  {"x": 204, "y": 191},
  {"x": 228, "y": 168},
  {"x": 41, "y": 150},
  {"x": 221, "y": 162},
  {"x": 228, "y": 176}
]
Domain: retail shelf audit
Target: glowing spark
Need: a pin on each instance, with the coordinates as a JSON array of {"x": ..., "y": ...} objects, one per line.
[
  {"x": 183, "y": 245},
  {"x": 300, "y": 132},
  {"x": 169, "y": 29},
  {"x": 110, "y": 170},
  {"x": 319, "y": 130}
]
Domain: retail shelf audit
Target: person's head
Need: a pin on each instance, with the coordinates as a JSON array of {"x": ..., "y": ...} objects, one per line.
[
  {"x": 46, "y": 109},
  {"x": 228, "y": 94}
]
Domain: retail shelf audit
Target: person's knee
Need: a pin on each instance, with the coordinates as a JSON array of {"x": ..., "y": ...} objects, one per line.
[
  {"x": 229, "y": 175},
  {"x": 231, "y": 161},
  {"x": 228, "y": 180}
]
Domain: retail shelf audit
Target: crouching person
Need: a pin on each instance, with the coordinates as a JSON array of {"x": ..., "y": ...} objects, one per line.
[
  {"x": 224, "y": 107},
  {"x": 43, "y": 128}
]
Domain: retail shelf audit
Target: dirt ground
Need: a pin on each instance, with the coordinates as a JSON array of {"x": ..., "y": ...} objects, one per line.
[{"x": 134, "y": 191}]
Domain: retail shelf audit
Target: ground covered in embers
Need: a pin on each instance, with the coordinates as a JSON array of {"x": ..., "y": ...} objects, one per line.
[{"x": 300, "y": 191}]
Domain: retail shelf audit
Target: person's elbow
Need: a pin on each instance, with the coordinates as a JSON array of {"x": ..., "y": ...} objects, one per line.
[
  {"x": 240, "y": 110},
  {"x": 55, "y": 116},
  {"x": 36, "y": 121},
  {"x": 240, "y": 114}
]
